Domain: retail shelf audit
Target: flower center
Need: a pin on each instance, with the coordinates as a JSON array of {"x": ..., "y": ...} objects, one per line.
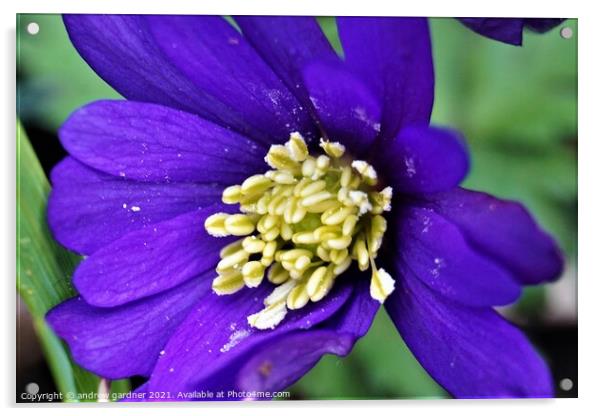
[{"x": 306, "y": 221}]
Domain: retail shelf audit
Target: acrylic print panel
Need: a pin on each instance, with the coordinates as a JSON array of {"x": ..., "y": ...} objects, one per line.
[{"x": 258, "y": 208}]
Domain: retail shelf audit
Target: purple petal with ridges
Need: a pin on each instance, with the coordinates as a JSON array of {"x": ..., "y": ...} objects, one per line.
[
  {"x": 286, "y": 359},
  {"x": 88, "y": 209},
  {"x": 434, "y": 249},
  {"x": 422, "y": 160},
  {"x": 507, "y": 30},
  {"x": 504, "y": 231},
  {"x": 359, "y": 312},
  {"x": 150, "y": 260},
  {"x": 124, "y": 341},
  {"x": 150, "y": 142},
  {"x": 124, "y": 52},
  {"x": 215, "y": 340},
  {"x": 288, "y": 44},
  {"x": 347, "y": 109},
  {"x": 393, "y": 56},
  {"x": 221, "y": 62},
  {"x": 471, "y": 352}
]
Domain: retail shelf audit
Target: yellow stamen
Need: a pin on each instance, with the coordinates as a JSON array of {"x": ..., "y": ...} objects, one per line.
[
  {"x": 303, "y": 224},
  {"x": 332, "y": 149}
]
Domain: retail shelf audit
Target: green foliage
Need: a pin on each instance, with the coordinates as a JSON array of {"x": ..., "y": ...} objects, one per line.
[
  {"x": 329, "y": 27},
  {"x": 43, "y": 272},
  {"x": 58, "y": 80}
]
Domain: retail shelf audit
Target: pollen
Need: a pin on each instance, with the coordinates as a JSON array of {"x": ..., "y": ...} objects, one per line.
[{"x": 302, "y": 225}]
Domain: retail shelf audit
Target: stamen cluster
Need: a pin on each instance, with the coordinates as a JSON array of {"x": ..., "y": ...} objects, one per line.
[{"x": 304, "y": 222}]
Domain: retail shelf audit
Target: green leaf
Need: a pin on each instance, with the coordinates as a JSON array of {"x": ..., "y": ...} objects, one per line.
[
  {"x": 56, "y": 79},
  {"x": 497, "y": 92},
  {"x": 43, "y": 273},
  {"x": 331, "y": 31}
]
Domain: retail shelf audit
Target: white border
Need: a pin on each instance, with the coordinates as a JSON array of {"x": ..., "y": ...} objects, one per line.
[{"x": 590, "y": 208}]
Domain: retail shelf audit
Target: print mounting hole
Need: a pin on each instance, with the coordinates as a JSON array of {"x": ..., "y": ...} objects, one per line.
[
  {"x": 33, "y": 28},
  {"x": 566, "y": 33},
  {"x": 32, "y": 388},
  {"x": 566, "y": 384}
]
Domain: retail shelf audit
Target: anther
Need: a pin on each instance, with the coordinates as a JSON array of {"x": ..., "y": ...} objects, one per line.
[
  {"x": 232, "y": 194},
  {"x": 230, "y": 248},
  {"x": 228, "y": 283},
  {"x": 239, "y": 224},
  {"x": 366, "y": 170},
  {"x": 215, "y": 225},
  {"x": 297, "y": 147},
  {"x": 269, "y": 317},
  {"x": 279, "y": 158},
  {"x": 256, "y": 184},
  {"x": 381, "y": 285},
  {"x": 314, "y": 199},
  {"x": 297, "y": 298},
  {"x": 253, "y": 244},
  {"x": 278, "y": 274},
  {"x": 252, "y": 273},
  {"x": 233, "y": 260},
  {"x": 332, "y": 149},
  {"x": 280, "y": 293}
]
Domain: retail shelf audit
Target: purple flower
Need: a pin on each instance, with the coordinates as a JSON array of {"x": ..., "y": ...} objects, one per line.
[
  {"x": 206, "y": 103},
  {"x": 508, "y": 30}
]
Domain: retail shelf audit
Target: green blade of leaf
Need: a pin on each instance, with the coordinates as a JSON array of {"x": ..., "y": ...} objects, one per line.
[{"x": 43, "y": 271}]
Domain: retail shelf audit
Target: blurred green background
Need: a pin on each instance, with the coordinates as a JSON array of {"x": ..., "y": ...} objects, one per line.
[{"x": 518, "y": 110}]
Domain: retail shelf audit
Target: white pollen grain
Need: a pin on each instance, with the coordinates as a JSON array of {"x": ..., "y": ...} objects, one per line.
[{"x": 234, "y": 340}]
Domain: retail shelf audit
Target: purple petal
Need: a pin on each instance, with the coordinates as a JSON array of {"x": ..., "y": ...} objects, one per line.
[
  {"x": 471, "y": 352},
  {"x": 347, "y": 110},
  {"x": 149, "y": 260},
  {"x": 504, "y": 231},
  {"x": 542, "y": 25},
  {"x": 288, "y": 44},
  {"x": 423, "y": 160},
  {"x": 124, "y": 341},
  {"x": 435, "y": 250},
  {"x": 215, "y": 340},
  {"x": 280, "y": 363},
  {"x": 393, "y": 56},
  {"x": 285, "y": 360},
  {"x": 357, "y": 315},
  {"x": 123, "y": 50},
  {"x": 507, "y": 30},
  {"x": 149, "y": 142},
  {"x": 211, "y": 53},
  {"x": 88, "y": 209}
]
